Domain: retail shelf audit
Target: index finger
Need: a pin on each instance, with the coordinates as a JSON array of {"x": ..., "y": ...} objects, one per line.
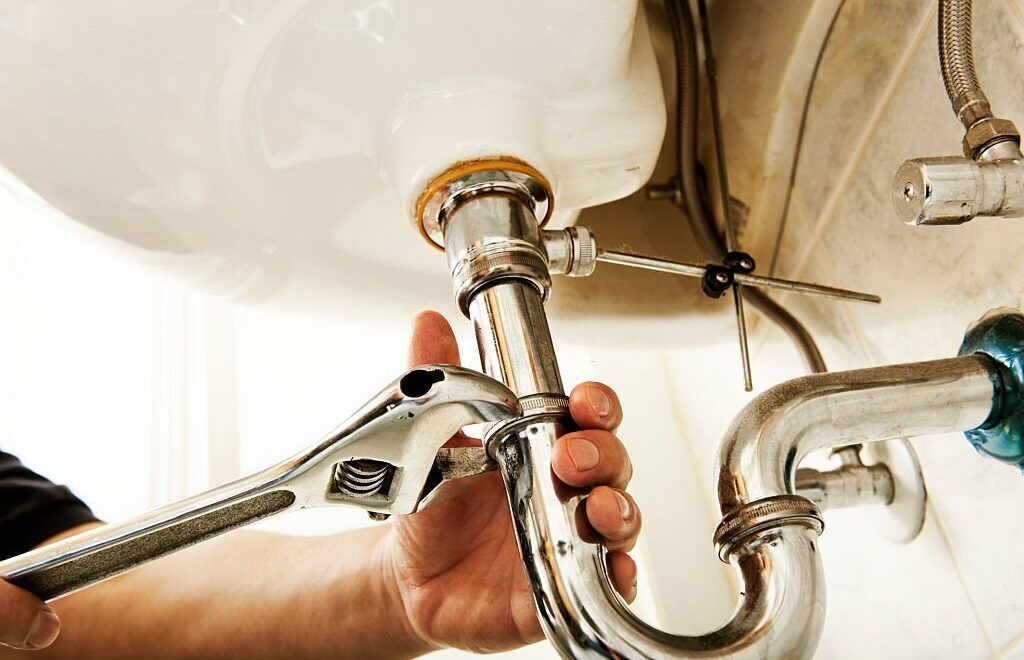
[{"x": 595, "y": 406}]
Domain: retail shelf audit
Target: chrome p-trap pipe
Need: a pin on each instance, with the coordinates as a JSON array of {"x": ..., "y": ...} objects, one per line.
[{"x": 768, "y": 532}]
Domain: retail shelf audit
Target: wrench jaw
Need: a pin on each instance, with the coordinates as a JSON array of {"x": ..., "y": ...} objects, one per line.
[
  {"x": 451, "y": 473},
  {"x": 389, "y": 457}
]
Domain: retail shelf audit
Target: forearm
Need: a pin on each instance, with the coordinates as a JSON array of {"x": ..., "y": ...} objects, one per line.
[{"x": 245, "y": 595}]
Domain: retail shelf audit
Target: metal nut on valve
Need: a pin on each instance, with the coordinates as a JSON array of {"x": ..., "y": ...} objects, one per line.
[{"x": 986, "y": 133}]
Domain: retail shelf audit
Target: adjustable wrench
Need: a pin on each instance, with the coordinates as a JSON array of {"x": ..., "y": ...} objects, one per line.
[{"x": 386, "y": 458}]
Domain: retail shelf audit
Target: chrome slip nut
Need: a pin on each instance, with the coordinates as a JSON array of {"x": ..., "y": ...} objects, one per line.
[
  {"x": 482, "y": 265},
  {"x": 765, "y": 514},
  {"x": 550, "y": 403}
]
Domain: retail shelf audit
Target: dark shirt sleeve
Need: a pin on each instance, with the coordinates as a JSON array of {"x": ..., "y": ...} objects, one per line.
[{"x": 32, "y": 508}]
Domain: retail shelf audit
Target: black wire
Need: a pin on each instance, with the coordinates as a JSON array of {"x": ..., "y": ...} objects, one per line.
[{"x": 798, "y": 149}]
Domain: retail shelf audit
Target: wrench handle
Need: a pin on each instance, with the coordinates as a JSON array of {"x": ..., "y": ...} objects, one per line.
[{"x": 79, "y": 561}]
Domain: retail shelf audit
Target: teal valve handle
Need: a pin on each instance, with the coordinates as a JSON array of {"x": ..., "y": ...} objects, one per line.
[{"x": 1000, "y": 336}]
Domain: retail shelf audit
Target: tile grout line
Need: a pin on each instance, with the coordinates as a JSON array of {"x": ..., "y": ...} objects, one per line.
[
  {"x": 934, "y": 514},
  {"x": 828, "y": 211},
  {"x": 1013, "y": 645}
]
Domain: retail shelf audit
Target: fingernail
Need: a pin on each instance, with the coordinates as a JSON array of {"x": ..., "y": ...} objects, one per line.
[
  {"x": 599, "y": 401},
  {"x": 584, "y": 453},
  {"x": 44, "y": 629},
  {"x": 625, "y": 510}
]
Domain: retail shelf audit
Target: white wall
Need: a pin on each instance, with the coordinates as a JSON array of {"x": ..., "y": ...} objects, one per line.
[{"x": 77, "y": 358}]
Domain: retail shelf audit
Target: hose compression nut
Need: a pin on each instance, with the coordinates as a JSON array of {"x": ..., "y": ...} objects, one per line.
[{"x": 988, "y": 132}]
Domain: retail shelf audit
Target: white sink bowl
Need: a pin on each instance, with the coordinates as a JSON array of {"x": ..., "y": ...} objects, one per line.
[{"x": 270, "y": 151}]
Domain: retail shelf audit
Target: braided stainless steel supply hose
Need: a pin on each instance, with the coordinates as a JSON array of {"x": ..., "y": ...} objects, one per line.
[
  {"x": 956, "y": 58},
  {"x": 970, "y": 104}
]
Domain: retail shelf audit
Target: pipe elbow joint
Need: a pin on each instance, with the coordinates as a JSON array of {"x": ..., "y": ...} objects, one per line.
[
  {"x": 755, "y": 467},
  {"x": 757, "y": 463}
]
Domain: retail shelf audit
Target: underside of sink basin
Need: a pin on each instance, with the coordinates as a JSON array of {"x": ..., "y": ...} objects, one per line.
[{"x": 271, "y": 152}]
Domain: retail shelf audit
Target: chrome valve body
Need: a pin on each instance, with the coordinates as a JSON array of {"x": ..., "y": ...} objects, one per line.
[
  {"x": 948, "y": 190},
  {"x": 990, "y": 180}
]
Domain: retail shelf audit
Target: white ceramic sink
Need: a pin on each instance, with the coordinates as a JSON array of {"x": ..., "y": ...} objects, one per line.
[{"x": 269, "y": 151}]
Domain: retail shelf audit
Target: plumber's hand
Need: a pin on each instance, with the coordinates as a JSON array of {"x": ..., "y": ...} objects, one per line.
[
  {"x": 455, "y": 569},
  {"x": 25, "y": 621}
]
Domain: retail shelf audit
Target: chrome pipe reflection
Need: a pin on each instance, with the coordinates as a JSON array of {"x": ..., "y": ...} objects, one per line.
[
  {"x": 780, "y": 427},
  {"x": 513, "y": 338},
  {"x": 781, "y": 613}
]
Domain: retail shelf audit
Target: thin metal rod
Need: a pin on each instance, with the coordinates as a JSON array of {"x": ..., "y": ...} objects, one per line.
[
  {"x": 697, "y": 270},
  {"x": 650, "y": 263},
  {"x": 804, "y": 287},
  {"x": 711, "y": 71},
  {"x": 741, "y": 327}
]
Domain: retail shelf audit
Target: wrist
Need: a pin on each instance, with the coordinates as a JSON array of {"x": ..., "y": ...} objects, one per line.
[
  {"x": 384, "y": 608},
  {"x": 394, "y": 600}
]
